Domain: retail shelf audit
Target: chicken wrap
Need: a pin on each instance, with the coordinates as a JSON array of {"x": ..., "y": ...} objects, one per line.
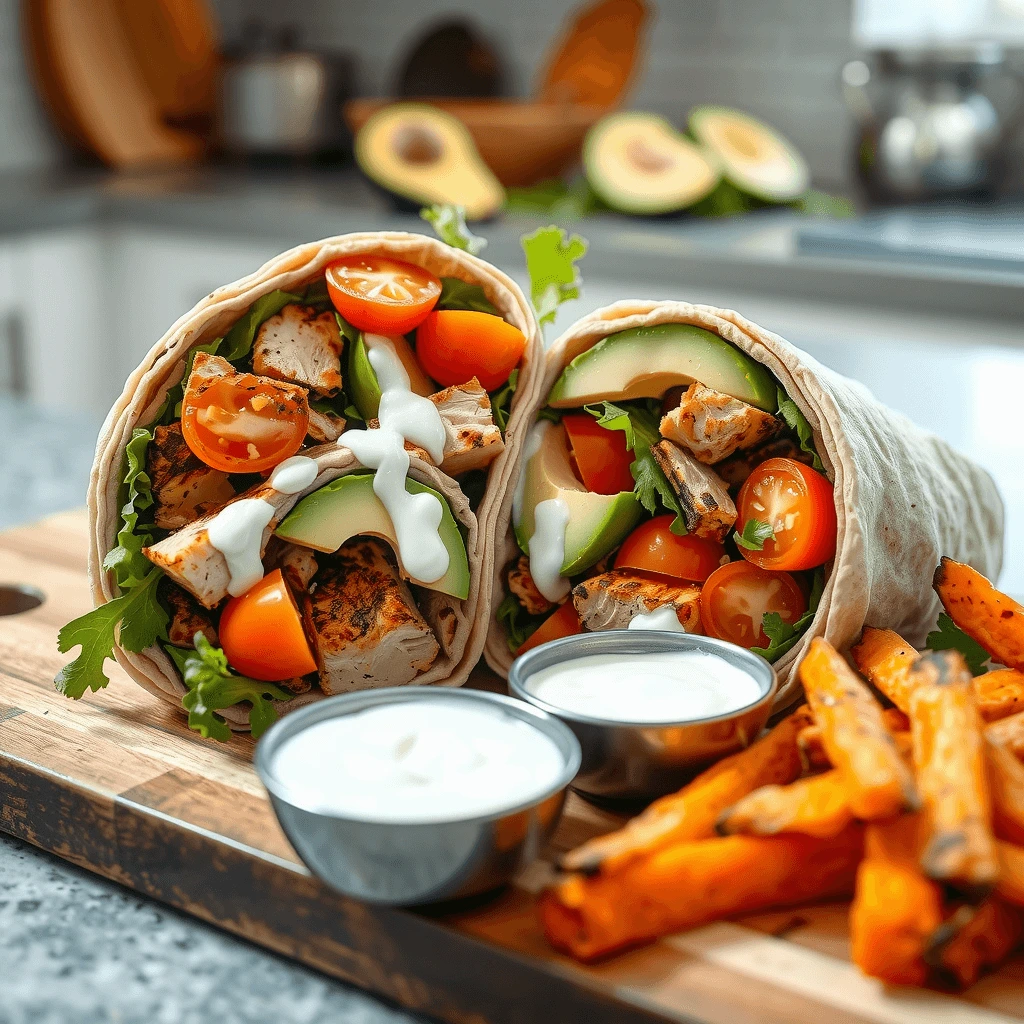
[
  {"x": 690, "y": 470},
  {"x": 292, "y": 495}
]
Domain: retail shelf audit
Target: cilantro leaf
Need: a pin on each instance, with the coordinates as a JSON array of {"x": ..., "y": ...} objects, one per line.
[
  {"x": 551, "y": 257},
  {"x": 142, "y": 619},
  {"x": 797, "y": 421},
  {"x": 755, "y": 533},
  {"x": 501, "y": 401},
  {"x": 458, "y": 294},
  {"x": 519, "y": 624},
  {"x": 449, "y": 224},
  {"x": 948, "y": 636},
  {"x": 782, "y": 636}
]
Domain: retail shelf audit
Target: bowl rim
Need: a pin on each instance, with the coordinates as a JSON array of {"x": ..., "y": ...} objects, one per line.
[
  {"x": 349, "y": 703},
  {"x": 762, "y": 671}
]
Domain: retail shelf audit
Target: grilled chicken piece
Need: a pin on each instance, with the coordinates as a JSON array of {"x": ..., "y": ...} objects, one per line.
[
  {"x": 184, "y": 487},
  {"x": 298, "y": 564},
  {"x": 440, "y": 611},
  {"x": 301, "y": 346},
  {"x": 610, "y": 600},
  {"x": 366, "y": 629},
  {"x": 707, "y": 508},
  {"x": 713, "y": 425},
  {"x": 735, "y": 469},
  {"x": 520, "y": 583},
  {"x": 188, "y": 617},
  {"x": 324, "y": 427}
]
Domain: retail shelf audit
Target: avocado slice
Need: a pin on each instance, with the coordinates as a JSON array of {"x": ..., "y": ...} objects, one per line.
[
  {"x": 598, "y": 523},
  {"x": 362, "y": 378},
  {"x": 348, "y": 506},
  {"x": 646, "y": 361},
  {"x": 425, "y": 155},
  {"x": 638, "y": 163},
  {"x": 755, "y": 159}
]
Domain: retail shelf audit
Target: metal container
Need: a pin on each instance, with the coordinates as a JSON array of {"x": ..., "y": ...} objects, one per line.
[
  {"x": 410, "y": 863},
  {"x": 640, "y": 762}
]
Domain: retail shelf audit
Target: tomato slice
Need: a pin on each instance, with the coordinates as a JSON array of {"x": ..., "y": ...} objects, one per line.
[
  {"x": 243, "y": 424},
  {"x": 455, "y": 345},
  {"x": 799, "y": 504},
  {"x": 736, "y": 597},
  {"x": 601, "y": 455},
  {"x": 261, "y": 632},
  {"x": 563, "y": 621},
  {"x": 381, "y": 294},
  {"x": 654, "y": 547}
]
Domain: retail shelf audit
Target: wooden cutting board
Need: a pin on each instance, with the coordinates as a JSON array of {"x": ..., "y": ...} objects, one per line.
[{"x": 118, "y": 785}]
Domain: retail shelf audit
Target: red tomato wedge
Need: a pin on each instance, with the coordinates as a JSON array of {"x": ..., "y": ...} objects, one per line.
[
  {"x": 654, "y": 547},
  {"x": 601, "y": 455},
  {"x": 563, "y": 621},
  {"x": 261, "y": 632},
  {"x": 245, "y": 424},
  {"x": 455, "y": 345},
  {"x": 799, "y": 504},
  {"x": 381, "y": 295},
  {"x": 736, "y": 597}
]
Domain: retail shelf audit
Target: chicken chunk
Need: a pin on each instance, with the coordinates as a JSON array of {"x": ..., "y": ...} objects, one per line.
[
  {"x": 520, "y": 583},
  {"x": 713, "y": 425},
  {"x": 298, "y": 564},
  {"x": 440, "y": 611},
  {"x": 708, "y": 511},
  {"x": 367, "y": 631},
  {"x": 735, "y": 469},
  {"x": 184, "y": 487},
  {"x": 188, "y": 617},
  {"x": 324, "y": 427},
  {"x": 301, "y": 346},
  {"x": 610, "y": 600}
]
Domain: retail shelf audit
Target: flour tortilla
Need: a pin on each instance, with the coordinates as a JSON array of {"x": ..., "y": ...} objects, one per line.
[
  {"x": 904, "y": 497},
  {"x": 164, "y": 367}
]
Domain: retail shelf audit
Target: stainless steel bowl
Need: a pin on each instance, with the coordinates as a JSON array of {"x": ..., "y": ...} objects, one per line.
[
  {"x": 415, "y": 862},
  {"x": 634, "y": 762}
]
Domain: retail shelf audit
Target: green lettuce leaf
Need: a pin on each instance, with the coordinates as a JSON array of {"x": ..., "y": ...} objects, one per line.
[
  {"x": 456, "y": 294},
  {"x": 519, "y": 624},
  {"x": 551, "y": 257},
  {"x": 501, "y": 401},
  {"x": 126, "y": 560},
  {"x": 449, "y": 224},
  {"x": 237, "y": 343},
  {"x": 755, "y": 533},
  {"x": 948, "y": 636},
  {"x": 551, "y": 415},
  {"x": 797, "y": 421},
  {"x": 782, "y": 636},
  {"x": 142, "y": 619},
  {"x": 556, "y": 198}
]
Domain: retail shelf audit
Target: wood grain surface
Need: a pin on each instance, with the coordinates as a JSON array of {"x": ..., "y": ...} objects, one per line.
[{"x": 117, "y": 784}]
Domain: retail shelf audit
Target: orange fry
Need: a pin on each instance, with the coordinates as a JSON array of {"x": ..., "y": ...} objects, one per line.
[
  {"x": 999, "y": 693},
  {"x": 884, "y": 658},
  {"x": 1009, "y": 733},
  {"x": 1006, "y": 786},
  {"x": 1010, "y": 886},
  {"x": 812, "y": 751},
  {"x": 974, "y": 939}
]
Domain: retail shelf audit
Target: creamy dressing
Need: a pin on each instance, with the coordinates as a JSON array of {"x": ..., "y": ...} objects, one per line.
[
  {"x": 237, "y": 533},
  {"x": 419, "y": 761},
  {"x": 655, "y": 688},
  {"x": 547, "y": 548},
  {"x": 664, "y": 618},
  {"x": 533, "y": 442},
  {"x": 294, "y": 474}
]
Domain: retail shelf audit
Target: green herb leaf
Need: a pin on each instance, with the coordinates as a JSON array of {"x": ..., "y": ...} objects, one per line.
[
  {"x": 519, "y": 624},
  {"x": 725, "y": 200},
  {"x": 551, "y": 415},
  {"x": 820, "y": 204},
  {"x": 129, "y": 565},
  {"x": 783, "y": 636},
  {"x": 948, "y": 636},
  {"x": 551, "y": 257},
  {"x": 238, "y": 341},
  {"x": 555, "y": 198},
  {"x": 501, "y": 401},
  {"x": 142, "y": 619},
  {"x": 449, "y": 224},
  {"x": 755, "y": 533},
  {"x": 456, "y": 294},
  {"x": 797, "y": 421}
]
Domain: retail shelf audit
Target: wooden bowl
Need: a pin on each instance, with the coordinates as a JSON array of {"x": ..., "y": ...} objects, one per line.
[{"x": 521, "y": 141}]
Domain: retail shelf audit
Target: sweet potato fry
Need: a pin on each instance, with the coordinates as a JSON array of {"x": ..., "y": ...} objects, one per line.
[
  {"x": 974, "y": 939},
  {"x": 982, "y": 612},
  {"x": 999, "y": 693},
  {"x": 896, "y": 910},
  {"x": 816, "y": 806},
  {"x": 1010, "y": 886},
  {"x": 1009, "y": 733},
  {"x": 689, "y": 884},
  {"x": 691, "y": 813},
  {"x": 949, "y": 760},
  {"x": 812, "y": 750},
  {"x": 1006, "y": 786},
  {"x": 855, "y": 737},
  {"x": 884, "y": 658}
]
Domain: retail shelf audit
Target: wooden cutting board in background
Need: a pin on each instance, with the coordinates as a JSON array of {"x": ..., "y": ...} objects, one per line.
[{"x": 117, "y": 784}]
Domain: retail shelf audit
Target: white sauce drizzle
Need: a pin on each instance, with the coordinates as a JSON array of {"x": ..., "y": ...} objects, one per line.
[
  {"x": 547, "y": 548},
  {"x": 533, "y": 442},
  {"x": 294, "y": 474},
  {"x": 664, "y": 618},
  {"x": 237, "y": 533}
]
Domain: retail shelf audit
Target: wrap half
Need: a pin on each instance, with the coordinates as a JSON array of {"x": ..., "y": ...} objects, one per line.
[{"x": 903, "y": 498}]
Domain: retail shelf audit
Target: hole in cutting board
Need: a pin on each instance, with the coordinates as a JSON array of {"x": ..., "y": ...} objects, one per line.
[{"x": 16, "y": 598}]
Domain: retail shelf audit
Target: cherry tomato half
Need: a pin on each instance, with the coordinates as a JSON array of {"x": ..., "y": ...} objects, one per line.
[
  {"x": 261, "y": 632},
  {"x": 799, "y": 504},
  {"x": 563, "y": 621},
  {"x": 382, "y": 295},
  {"x": 455, "y": 345},
  {"x": 654, "y": 547},
  {"x": 244, "y": 424},
  {"x": 601, "y": 455},
  {"x": 736, "y": 597}
]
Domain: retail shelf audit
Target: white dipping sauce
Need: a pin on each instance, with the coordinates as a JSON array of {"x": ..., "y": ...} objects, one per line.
[
  {"x": 418, "y": 761},
  {"x": 547, "y": 548},
  {"x": 663, "y": 618},
  {"x": 237, "y": 533},
  {"x": 677, "y": 686},
  {"x": 294, "y": 474}
]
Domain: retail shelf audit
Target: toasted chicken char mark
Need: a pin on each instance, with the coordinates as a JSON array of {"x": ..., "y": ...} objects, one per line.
[
  {"x": 708, "y": 511},
  {"x": 188, "y": 617},
  {"x": 713, "y": 425},
  {"x": 735, "y": 469},
  {"x": 522, "y": 586},
  {"x": 367, "y": 630},
  {"x": 610, "y": 600},
  {"x": 184, "y": 487},
  {"x": 325, "y": 427},
  {"x": 301, "y": 346}
]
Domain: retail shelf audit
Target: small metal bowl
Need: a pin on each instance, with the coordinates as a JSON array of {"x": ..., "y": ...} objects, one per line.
[
  {"x": 633, "y": 762},
  {"x": 406, "y": 863}
]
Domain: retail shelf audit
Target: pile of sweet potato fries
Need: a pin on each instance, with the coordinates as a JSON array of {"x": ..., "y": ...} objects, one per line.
[{"x": 916, "y": 810}]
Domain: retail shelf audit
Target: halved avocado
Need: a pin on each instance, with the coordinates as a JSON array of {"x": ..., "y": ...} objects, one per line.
[
  {"x": 598, "y": 523},
  {"x": 646, "y": 361},
  {"x": 426, "y": 155},
  {"x": 362, "y": 378},
  {"x": 755, "y": 158},
  {"x": 348, "y": 507},
  {"x": 638, "y": 163}
]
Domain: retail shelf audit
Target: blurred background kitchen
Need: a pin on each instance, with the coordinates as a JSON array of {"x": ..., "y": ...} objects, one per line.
[{"x": 872, "y": 212}]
